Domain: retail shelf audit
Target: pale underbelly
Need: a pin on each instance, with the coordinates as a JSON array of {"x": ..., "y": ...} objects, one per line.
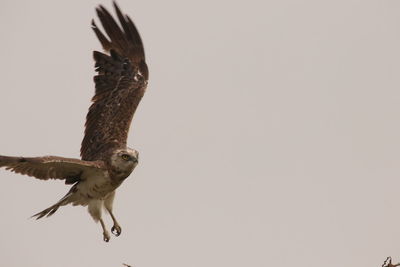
[{"x": 98, "y": 190}]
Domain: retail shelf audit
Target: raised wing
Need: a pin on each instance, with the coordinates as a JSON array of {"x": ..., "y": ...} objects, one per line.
[
  {"x": 50, "y": 167},
  {"x": 120, "y": 84}
]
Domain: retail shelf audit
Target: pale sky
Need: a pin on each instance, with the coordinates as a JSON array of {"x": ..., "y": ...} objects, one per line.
[{"x": 269, "y": 134}]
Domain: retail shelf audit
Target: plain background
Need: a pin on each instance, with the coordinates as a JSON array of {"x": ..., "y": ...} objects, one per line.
[{"x": 269, "y": 134}]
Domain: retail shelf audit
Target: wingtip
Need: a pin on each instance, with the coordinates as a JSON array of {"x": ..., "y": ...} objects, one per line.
[
  {"x": 115, "y": 4},
  {"x": 116, "y": 7},
  {"x": 100, "y": 10}
]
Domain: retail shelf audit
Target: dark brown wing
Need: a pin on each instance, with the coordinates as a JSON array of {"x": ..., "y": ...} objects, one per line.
[
  {"x": 50, "y": 167},
  {"x": 120, "y": 84}
]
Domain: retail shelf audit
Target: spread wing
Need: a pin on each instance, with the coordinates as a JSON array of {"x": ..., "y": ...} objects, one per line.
[
  {"x": 50, "y": 167},
  {"x": 121, "y": 81}
]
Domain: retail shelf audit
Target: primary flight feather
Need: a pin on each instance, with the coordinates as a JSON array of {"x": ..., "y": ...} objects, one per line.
[{"x": 120, "y": 83}]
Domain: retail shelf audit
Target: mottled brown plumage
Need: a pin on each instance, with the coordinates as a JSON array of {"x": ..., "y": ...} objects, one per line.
[
  {"x": 50, "y": 167},
  {"x": 120, "y": 84}
]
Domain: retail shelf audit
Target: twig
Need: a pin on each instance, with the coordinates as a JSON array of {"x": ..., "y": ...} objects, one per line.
[{"x": 388, "y": 263}]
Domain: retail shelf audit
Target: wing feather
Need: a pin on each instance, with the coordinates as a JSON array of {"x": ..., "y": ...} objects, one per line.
[
  {"x": 50, "y": 167},
  {"x": 120, "y": 83}
]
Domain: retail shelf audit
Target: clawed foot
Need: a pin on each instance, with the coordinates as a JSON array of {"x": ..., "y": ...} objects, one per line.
[
  {"x": 106, "y": 236},
  {"x": 116, "y": 230}
]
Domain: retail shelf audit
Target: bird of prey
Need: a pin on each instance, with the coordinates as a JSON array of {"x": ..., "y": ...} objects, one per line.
[{"x": 106, "y": 161}]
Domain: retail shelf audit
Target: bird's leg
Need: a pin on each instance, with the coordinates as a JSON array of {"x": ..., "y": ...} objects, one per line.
[
  {"x": 94, "y": 208},
  {"x": 116, "y": 229},
  {"x": 106, "y": 234},
  {"x": 108, "y": 204}
]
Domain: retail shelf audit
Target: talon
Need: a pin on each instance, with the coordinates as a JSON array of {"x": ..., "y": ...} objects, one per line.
[
  {"x": 116, "y": 230},
  {"x": 106, "y": 237}
]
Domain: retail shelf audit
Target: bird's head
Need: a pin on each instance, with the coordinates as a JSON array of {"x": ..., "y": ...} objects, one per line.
[{"x": 124, "y": 160}]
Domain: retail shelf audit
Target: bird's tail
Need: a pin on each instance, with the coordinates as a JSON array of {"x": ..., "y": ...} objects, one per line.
[{"x": 52, "y": 209}]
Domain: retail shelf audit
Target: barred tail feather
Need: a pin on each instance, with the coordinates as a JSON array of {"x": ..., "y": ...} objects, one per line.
[
  {"x": 52, "y": 209},
  {"x": 47, "y": 212}
]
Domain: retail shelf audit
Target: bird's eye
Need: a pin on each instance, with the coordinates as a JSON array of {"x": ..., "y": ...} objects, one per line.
[{"x": 125, "y": 157}]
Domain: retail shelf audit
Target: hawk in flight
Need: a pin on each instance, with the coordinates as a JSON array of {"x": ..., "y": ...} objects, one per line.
[{"x": 120, "y": 83}]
